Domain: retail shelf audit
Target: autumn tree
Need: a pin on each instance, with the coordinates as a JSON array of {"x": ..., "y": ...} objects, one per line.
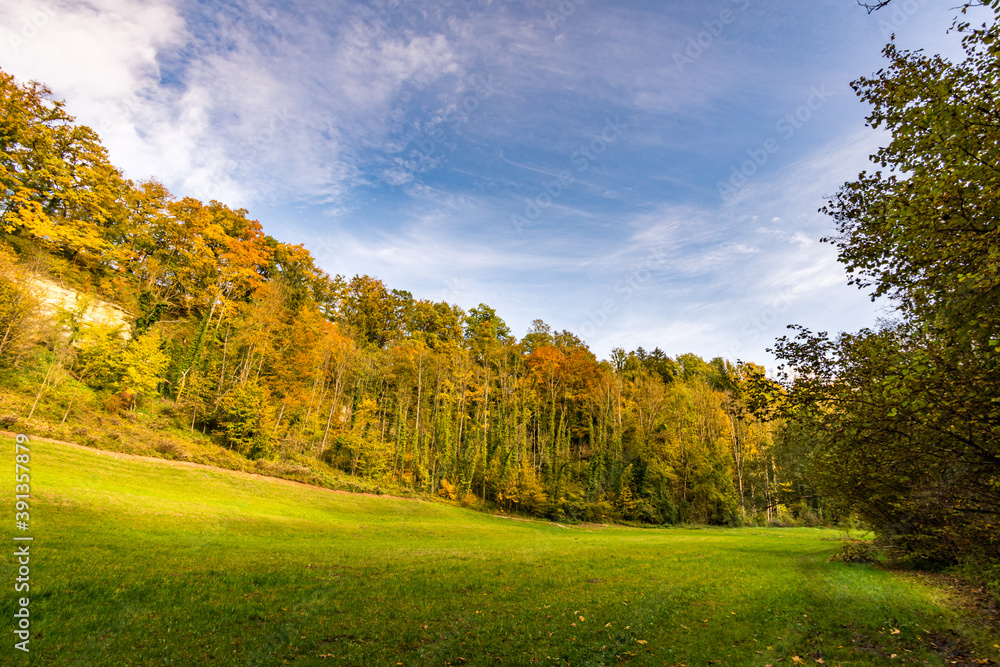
[
  {"x": 437, "y": 324},
  {"x": 57, "y": 187},
  {"x": 375, "y": 313}
]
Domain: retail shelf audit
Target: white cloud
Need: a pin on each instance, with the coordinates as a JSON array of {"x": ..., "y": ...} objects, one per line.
[
  {"x": 99, "y": 54},
  {"x": 243, "y": 121}
]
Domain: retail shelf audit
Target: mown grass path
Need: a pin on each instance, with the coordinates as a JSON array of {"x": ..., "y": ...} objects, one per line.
[{"x": 147, "y": 562}]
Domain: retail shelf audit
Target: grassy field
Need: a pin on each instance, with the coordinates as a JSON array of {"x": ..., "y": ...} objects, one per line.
[{"x": 148, "y": 562}]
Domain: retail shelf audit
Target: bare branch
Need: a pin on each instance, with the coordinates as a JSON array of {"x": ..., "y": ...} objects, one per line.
[{"x": 874, "y": 6}]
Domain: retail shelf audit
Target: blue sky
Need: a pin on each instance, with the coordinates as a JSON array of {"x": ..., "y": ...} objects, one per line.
[{"x": 640, "y": 173}]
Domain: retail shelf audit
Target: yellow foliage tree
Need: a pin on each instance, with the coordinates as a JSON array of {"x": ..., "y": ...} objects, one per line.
[{"x": 448, "y": 490}]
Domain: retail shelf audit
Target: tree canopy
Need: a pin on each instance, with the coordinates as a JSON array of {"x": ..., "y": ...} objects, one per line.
[{"x": 907, "y": 417}]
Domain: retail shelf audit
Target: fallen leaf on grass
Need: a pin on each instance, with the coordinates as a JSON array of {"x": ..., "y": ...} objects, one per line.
[
  {"x": 797, "y": 660},
  {"x": 641, "y": 641},
  {"x": 895, "y": 631}
]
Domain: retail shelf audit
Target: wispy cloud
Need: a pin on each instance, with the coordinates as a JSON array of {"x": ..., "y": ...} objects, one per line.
[{"x": 401, "y": 139}]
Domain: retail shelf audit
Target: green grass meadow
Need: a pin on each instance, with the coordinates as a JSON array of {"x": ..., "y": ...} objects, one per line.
[{"x": 149, "y": 562}]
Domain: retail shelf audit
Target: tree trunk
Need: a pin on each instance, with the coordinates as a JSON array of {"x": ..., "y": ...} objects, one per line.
[
  {"x": 66, "y": 414},
  {"x": 41, "y": 389}
]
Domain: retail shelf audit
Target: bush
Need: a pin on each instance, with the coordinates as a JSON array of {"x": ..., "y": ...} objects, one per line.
[
  {"x": 282, "y": 468},
  {"x": 806, "y": 515},
  {"x": 645, "y": 512},
  {"x": 116, "y": 403},
  {"x": 448, "y": 490},
  {"x": 9, "y": 421},
  {"x": 171, "y": 450},
  {"x": 856, "y": 551}
]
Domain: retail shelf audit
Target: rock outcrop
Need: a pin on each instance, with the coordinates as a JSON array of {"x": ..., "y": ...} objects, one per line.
[{"x": 55, "y": 298}]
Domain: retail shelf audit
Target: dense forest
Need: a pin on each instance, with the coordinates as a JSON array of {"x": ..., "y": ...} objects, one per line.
[
  {"x": 254, "y": 345},
  {"x": 249, "y": 342}
]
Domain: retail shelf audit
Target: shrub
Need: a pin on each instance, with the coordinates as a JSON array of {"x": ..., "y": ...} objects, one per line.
[
  {"x": 116, "y": 403},
  {"x": 856, "y": 551},
  {"x": 448, "y": 490},
  {"x": 171, "y": 450},
  {"x": 646, "y": 513}
]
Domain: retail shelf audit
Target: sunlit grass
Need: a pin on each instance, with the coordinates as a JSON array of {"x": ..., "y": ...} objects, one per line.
[{"x": 147, "y": 562}]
